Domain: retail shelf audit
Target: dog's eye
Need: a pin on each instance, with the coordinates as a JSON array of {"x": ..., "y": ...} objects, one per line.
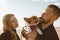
[
  {"x": 35, "y": 21},
  {"x": 34, "y": 18}
]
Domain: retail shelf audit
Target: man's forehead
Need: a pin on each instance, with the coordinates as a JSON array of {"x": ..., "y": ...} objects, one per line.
[{"x": 49, "y": 8}]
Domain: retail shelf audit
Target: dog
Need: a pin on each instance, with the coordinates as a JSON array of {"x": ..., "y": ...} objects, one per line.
[{"x": 31, "y": 25}]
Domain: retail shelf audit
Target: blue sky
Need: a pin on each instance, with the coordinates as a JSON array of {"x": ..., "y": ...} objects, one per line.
[{"x": 25, "y": 8}]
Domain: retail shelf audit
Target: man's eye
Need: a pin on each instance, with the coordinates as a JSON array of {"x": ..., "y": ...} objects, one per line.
[{"x": 46, "y": 13}]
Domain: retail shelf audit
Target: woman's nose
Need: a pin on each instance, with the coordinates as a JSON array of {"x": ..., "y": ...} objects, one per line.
[{"x": 16, "y": 21}]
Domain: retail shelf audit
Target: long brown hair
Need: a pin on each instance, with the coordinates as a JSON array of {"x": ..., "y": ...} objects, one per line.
[{"x": 7, "y": 26}]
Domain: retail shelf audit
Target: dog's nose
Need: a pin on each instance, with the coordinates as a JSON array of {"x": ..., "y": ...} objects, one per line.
[{"x": 40, "y": 19}]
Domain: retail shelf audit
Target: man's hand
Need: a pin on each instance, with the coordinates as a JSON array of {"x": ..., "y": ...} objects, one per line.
[{"x": 33, "y": 35}]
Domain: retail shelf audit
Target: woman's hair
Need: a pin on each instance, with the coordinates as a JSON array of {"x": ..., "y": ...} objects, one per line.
[
  {"x": 7, "y": 25},
  {"x": 55, "y": 8}
]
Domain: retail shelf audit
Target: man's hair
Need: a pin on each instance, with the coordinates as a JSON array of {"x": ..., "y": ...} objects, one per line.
[{"x": 55, "y": 8}]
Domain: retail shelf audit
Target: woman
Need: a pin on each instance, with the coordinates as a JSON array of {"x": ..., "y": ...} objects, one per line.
[{"x": 10, "y": 24}]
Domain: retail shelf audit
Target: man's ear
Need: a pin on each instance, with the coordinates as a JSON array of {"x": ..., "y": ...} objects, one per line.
[
  {"x": 27, "y": 20},
  {"x": 54, "y": 18}
]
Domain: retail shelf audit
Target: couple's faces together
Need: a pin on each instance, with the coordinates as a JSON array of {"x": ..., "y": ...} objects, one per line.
[{"x": 46, "y": 16}]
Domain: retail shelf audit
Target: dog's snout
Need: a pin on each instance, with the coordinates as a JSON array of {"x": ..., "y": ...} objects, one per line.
[{"x": 36, "y": 21}]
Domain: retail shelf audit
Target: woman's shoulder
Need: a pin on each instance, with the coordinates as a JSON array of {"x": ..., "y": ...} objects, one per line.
[{"x": 5, "y": 35}]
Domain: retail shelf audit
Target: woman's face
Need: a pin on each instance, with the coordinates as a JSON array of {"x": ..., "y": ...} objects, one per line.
[{"x": 14, "y": 22}]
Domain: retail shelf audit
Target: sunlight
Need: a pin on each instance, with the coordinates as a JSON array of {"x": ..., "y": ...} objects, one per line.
[
  {"x": 35, "y": 0},
  {"x": 49, "y": 0},
  {"x": 2, "y": 2}
]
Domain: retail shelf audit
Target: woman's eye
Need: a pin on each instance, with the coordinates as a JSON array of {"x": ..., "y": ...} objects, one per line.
[{"x": 13, "y": 21}]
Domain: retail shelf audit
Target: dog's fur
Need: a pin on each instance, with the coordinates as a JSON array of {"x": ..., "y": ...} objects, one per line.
[{"x": 33, "y": 20}]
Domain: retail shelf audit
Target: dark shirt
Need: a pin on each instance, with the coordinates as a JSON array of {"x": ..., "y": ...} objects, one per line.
[
  {"x": 17, "y": 35},
  {"x": 48, "y": 34},
  {"x": 7, "y": 36}
]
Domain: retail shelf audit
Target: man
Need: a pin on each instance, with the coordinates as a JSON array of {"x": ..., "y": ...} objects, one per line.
[{"x": 50, "y": 15}]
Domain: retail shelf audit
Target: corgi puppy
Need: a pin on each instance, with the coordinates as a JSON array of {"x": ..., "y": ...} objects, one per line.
[{"x": 31, "y": 25}]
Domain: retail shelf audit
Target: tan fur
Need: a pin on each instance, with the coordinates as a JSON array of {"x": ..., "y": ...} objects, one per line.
[{"x": 33, "y": 20}]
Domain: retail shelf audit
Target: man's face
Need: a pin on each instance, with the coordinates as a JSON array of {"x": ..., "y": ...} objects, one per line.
[{"x": 48, "y": 14}]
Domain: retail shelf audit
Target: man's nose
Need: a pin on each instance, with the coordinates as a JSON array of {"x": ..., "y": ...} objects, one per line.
[{"x": 43, "y": 14}]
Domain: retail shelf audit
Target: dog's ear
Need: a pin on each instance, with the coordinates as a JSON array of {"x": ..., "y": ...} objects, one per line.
[
  {"x": 27, "y": 20},
  {"x": 33, "y": 17}
]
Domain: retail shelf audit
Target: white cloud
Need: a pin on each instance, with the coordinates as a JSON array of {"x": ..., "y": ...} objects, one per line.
[
  {"x": 35, "y": 0},
  {"x": 49, "y": 0},
  {"x": 3, "y": 3}
]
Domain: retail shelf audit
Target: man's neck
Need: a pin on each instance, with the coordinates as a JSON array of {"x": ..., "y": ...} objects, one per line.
[{"x": 46, "y": 25}]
